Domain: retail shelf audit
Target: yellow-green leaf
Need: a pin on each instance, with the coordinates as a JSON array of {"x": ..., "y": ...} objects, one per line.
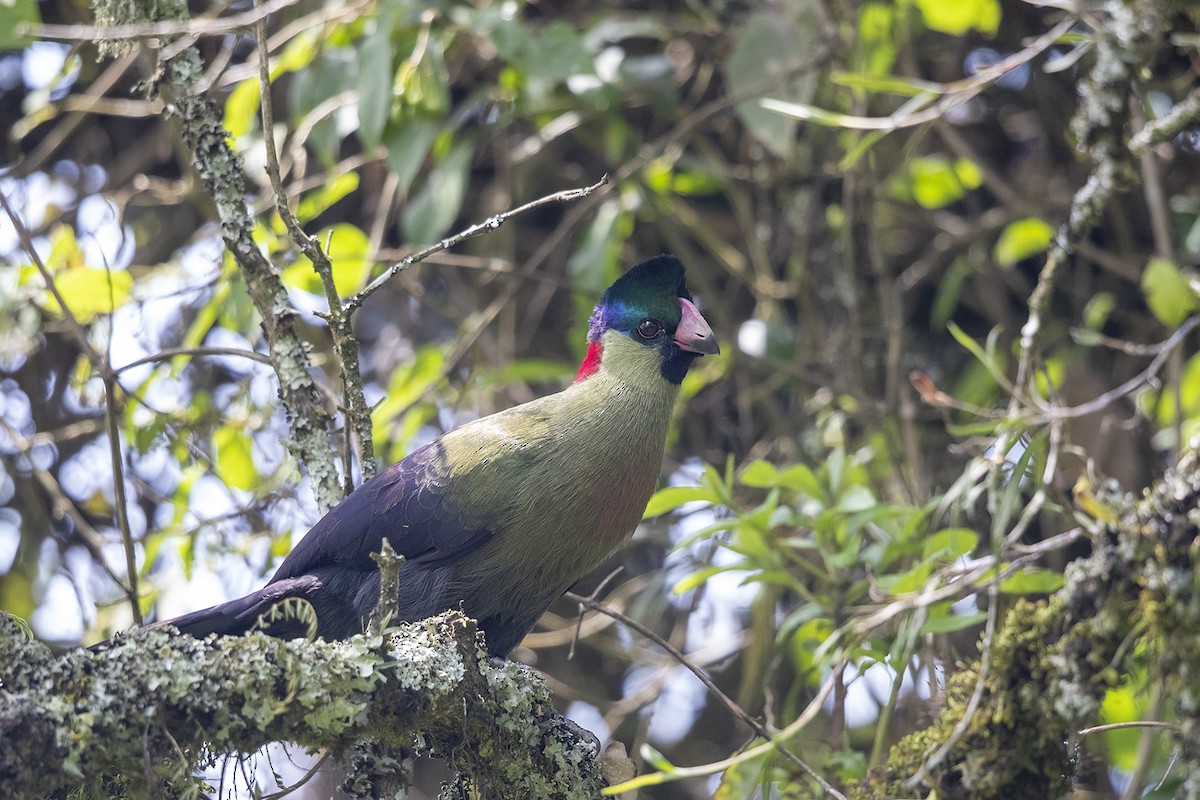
[
  {"x": 234, "y": 463},
  {"x": 91, "y": 292},
  {"x": 13, "y": 12},
  {"x": 957, "y": 17},
  {"x": 1124, "y": 704},
  {"x": 1021, "y": 239},
  {"x": 1032, "y": 581},
  {"x": 952, "y": 622},
  {"x": 241, "y": 109},
  {"x": 935, "y": 183},
  {"x": 318, "y": 201},
  {"x": 759, "y": 474},
  {"x": 297, "y": 54},
  {"x": 673, "y": 497},
  {"x": 968, "y": 173},
  {"x": 1168, "y": 293},
  {"x": 951, "y": 543}
]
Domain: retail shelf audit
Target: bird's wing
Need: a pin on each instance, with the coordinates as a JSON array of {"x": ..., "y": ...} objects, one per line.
[{"x": 409, "y": 503}]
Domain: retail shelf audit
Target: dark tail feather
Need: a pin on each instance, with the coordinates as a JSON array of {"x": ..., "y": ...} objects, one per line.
[
  {"x": 228, "y": 619},
  {"x": 277, "y": 609}
]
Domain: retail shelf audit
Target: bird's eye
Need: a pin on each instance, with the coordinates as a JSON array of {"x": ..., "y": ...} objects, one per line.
[{"x": 649, "y": 328}]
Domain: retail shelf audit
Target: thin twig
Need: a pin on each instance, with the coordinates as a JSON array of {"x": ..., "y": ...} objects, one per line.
[
  {"x": 490, "y": 224},
  {"x": 101, "y": 365},
  {"x": 1116, "y": 726},
  {"x": 1181, "y": 116},
  {"x": 147, "y": 30},
  {"x": 305, "y": 778},
  {"x": 771, "y": 745},
  {"x": 340, "y": 319},
  {"x": 117, "y": 459},
  {"x": 172, "y": 352},
  {"x": 915, "y": 112},
  {"x": 712, "y": 687},
  {"x": 61, "y": 504},
  {"x": 1143, "y": 378}
]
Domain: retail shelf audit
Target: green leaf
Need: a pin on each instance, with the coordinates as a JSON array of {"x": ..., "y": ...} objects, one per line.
[
  {"x": 234, "y": 463},
  {"x": 907, "y": 582},
  {"x": 407, "y": 147},
  {"x": 528, "y": 370},
  {"x": 856, "y": 498},
  {"x": 986, "y": 356},
  {"x": 1032, "y": 580},
  {"x": 936, "y": 182},
  {"x": 375, "y": 80},
  {"x": 877, "y": 37},
  {"x": 1004, "y": 505},
  {"x": 698, "y": 577},
  {"x": 435, "y": 207},
  {"x": 90, "y": 292},
  {"x": 12, "y": 14},
  {"x": 958, "y": 17},
  {"x": 1124, "y": 704},
  {"x": 948, "y": 293},
  {"x": 323, "y": 78},
  {"x": 800, "y": 478},
  {"x": 763, "y": 47},
  {"x": 297, "y": 54},
  {"x": 759, "y": 475},
  {"x": 952, "y": 622},
  {"x": 951, "y": 543},
  {"x": 968, "y": 173},
  {"x": 1098, "y": 309},
  {"x": 241, "y": 109},
  {"x": 317, "y": 202},
  {"x": 1161, "y": 406},
  {"x": 673, "y": 497},
  {"x": 555, "y": 53},
  {"x": 1021, "y": 239},
  {"x": 1170, "y": 297}
]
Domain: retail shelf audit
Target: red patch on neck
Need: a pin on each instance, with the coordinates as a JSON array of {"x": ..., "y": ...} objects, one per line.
[{"x": 591, "y": 362}]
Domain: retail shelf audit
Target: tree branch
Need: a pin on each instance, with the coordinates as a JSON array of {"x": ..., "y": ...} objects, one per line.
[
  {"x": 427, "y": 686},
  {"x": 220, "y": 170}
]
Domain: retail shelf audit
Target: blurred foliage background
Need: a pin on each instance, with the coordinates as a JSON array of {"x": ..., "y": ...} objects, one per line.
[{"x": 864, "y": 193}]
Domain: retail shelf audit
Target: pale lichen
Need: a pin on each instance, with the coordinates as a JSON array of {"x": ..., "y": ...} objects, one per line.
[{"x": 147, "y": 709}]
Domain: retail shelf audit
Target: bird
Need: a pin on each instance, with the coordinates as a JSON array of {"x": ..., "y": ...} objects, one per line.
[{"x": 502, "y": 515}]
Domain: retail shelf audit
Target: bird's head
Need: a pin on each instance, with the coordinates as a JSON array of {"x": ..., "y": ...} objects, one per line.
[{"x": 647, "y": 317}]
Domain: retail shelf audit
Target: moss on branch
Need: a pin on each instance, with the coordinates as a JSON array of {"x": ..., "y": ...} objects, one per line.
[
  {"x": 1053, "y": 660},
  {"x": 142, "y": 714}
]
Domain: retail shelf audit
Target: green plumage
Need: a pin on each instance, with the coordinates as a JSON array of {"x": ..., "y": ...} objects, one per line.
[{"x": 503, "y": 514}]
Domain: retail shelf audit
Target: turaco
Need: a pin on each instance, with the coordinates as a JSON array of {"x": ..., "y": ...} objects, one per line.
[{"x": 503, "y": 514}]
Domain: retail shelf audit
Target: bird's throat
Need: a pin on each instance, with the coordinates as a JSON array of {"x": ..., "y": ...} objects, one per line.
[{"x": 591, "y": 362}]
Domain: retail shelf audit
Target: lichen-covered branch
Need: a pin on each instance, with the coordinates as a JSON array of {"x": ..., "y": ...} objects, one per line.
[
  {"x": 1128, "y": 40},
  {"x": 1053, "y": 661},
  {"x": 142, "y": 714},
  {"x": 220, "y": 170}
]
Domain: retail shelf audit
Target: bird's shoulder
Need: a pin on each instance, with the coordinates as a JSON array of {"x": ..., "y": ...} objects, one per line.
[{"x": 409, "y": 503}]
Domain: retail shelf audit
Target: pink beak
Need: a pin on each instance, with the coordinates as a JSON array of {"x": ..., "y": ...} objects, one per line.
[{"x": 693, "y": 333}]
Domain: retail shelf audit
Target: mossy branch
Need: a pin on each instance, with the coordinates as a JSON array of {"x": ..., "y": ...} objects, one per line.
[
  {"x": 145, "y": 712},
  {"x": 179, "y": 81},
  {"x": 1053, "y": 661}
]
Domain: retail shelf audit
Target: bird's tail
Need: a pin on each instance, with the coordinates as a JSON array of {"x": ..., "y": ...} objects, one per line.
[
  {"x": 275, "y": 609},
  {"x": 227, "y": 619}
]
